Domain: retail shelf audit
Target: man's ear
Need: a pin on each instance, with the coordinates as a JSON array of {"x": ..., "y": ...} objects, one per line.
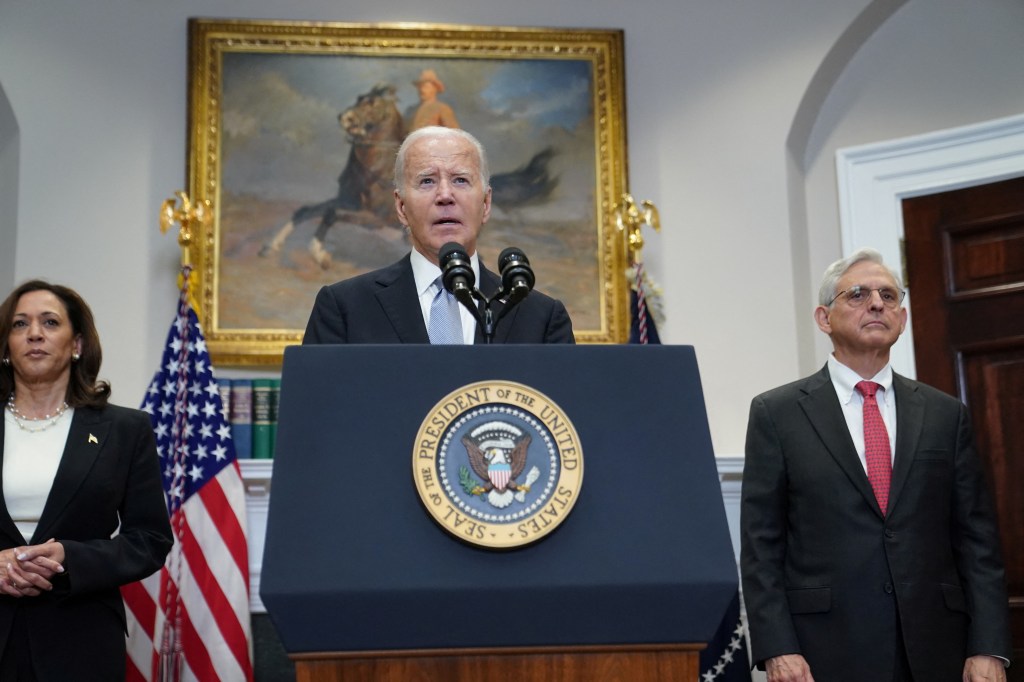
[
  {"x": 821, "y": 314},
  {"x": 487, "y": 205},
  {"x": 400, "y": 209}
]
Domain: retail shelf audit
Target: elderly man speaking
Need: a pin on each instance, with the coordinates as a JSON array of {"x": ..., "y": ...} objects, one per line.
[{"x": 442, "y": 194}]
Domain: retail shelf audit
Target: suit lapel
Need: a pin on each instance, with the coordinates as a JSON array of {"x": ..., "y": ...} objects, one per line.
[
  {"x": 400, "y": 302},
  {"x": 821, "y": 405},
  {"x": 86, "y": 439},
  {"x": 909, "y": 424}
]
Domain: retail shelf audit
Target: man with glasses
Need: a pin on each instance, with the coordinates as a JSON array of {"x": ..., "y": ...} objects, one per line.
[{"x": 869, "y": 547}]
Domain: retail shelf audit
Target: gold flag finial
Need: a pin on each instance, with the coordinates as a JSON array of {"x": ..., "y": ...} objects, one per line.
[
  {"x": 187, "y": 215},
  {"x": 630, "y": 218}
]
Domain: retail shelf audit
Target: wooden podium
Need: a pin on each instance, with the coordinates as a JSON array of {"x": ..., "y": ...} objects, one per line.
[
  {"x": 362, "y": 584},
  {"x": 661, "y": 662}
]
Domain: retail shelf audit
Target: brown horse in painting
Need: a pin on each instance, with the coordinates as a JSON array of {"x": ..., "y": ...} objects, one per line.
[{"x": 373, "y": 126}]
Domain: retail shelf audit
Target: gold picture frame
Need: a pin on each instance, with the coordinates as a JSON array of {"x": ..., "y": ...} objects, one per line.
[{"x": 268, "y": 135}]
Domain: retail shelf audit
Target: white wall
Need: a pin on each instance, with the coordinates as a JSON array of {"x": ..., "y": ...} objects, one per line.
[
  {"x": 8, "y": 192},
  {"x": 98, "y": 91},
  {"x": 966, "y": 68}
]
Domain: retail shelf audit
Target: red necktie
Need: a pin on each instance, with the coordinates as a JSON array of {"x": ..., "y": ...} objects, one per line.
[{"x": 877, "y": 451}]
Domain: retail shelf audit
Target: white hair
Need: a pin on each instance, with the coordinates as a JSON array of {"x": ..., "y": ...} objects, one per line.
[
  {"x": 830, "y": 280},
  {"x": 438, "y": 131}
]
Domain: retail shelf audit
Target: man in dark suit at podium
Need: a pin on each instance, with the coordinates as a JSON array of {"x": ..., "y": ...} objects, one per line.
[
  {"x": 442, "y": 194},
  {"x": 869, "y": 542}
]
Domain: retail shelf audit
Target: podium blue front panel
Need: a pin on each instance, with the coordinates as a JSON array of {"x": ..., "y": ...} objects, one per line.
[{"x": 353, "y": 561}]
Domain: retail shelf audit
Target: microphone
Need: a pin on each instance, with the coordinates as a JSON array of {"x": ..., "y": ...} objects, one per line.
[
  {"x": 456, "y": 271},
  {"x": 516, "y": 274}
]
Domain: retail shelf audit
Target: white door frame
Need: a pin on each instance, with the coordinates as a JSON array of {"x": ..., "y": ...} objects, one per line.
[{"x": 874, "y": 179}]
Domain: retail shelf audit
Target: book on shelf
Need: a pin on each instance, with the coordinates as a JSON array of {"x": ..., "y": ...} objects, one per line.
[
  {"x": 275, "y": 403},
  {"x": 224, "y": 388},
  {"x": 262, "y": 418},
  {"x": 241, "y": 417}
]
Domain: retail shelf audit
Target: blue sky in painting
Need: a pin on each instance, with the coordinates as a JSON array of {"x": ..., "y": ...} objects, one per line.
[{"x": 552, "y": 93}]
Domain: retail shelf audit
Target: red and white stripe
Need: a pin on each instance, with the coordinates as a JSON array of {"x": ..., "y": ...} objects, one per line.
[{"x": 210, "y": 556}]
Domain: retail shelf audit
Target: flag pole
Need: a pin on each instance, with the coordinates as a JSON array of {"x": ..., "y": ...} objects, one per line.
[
  {"x": 186, "y": 215},
  {"x": 191, "y": 619},
  {"x": 630, "y": 218}
]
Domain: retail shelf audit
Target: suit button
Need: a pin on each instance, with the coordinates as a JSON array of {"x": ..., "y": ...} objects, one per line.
[
  {"x": 888, "y": 588},
  {"x": 889, "y": 534}
]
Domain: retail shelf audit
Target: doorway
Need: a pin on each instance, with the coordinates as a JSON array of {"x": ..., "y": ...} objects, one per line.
[{"x": 965, "y": 266}]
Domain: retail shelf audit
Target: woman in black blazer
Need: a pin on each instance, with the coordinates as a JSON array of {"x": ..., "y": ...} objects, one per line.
[{"x": 82, "y": 508}]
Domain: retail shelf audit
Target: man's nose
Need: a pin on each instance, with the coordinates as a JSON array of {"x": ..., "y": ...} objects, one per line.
[{"x": 444, "y": 192}]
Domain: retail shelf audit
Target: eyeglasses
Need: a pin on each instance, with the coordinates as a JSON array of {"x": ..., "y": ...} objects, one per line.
[{"x": 858, "y": 295}]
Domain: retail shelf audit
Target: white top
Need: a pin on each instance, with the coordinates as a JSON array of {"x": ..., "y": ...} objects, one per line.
[
  {"x": 31, "y": 459},
  {"x": 425, "y": 273},
  {"x": 845, "y": 380}
]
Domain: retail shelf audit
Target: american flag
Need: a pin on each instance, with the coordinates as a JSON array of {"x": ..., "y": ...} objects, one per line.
[
  {"x": 642, "y": 328},
  {"x": 190, "y": 621},
  {"x": 725, "y": 658}
]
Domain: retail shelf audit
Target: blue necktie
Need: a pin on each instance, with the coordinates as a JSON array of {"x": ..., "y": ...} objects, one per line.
[{"x": 445, "y": 324}]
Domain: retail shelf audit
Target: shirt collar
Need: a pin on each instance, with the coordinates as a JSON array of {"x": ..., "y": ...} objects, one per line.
[{"x": 845, "y": 379}]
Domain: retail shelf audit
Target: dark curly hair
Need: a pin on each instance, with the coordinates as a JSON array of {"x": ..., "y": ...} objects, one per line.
[{"x": 83, "y": 388}]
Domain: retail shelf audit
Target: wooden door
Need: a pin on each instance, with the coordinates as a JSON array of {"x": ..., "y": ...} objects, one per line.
[{"x": 965, "y": 272}]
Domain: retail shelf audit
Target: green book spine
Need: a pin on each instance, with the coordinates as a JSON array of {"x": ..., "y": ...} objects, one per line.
[{"x": 262, "y": 442}]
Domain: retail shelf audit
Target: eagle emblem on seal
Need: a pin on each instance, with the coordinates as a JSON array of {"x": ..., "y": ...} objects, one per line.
[{"x": 497, "y": 455}]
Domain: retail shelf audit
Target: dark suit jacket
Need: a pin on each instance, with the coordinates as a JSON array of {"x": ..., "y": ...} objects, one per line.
[
  {"x": 109, "y": 473},
  {"x": 827, "y": 576},
  {"x": 382, "y": 307}
]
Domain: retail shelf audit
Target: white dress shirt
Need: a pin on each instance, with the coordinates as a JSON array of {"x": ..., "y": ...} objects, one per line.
[
  {"x": 30, "y": 465},
  {"x": 425, "y": 273},
  {"x": 844, "y": 380}
]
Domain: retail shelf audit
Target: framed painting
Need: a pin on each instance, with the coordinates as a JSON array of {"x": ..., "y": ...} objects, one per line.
[{"x": 292, "y": 133}]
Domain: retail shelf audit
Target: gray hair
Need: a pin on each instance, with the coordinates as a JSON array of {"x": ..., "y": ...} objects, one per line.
[
  {"x": 438, "y": 131},
  {"x": 830, "y": 280}
]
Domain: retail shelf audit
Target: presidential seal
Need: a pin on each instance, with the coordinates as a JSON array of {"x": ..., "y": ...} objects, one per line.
[{"x": 497, "y": 464}]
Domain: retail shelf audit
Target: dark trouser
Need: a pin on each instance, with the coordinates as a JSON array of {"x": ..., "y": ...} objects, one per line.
[{"x": 16, "y": 662}]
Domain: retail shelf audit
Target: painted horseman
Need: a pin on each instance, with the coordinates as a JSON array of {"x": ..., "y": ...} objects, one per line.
[{"x": 374, "y": 128}]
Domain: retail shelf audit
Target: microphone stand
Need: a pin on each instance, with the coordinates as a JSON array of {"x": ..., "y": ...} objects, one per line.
[
  {"x": 459, "y": 279},
  {"x": 486, "y": 319},
  {"x": 488, "y": 327}
]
